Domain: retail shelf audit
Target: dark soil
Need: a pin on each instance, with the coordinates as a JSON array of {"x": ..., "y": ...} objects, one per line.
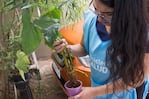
[{"x": 73, "y": 84}]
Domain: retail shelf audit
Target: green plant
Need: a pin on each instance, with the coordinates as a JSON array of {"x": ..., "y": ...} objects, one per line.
[
  {"x": 26, "y": 27},
  {"x": 49, "y": 24},
  {"x": 51, "y": 34}
]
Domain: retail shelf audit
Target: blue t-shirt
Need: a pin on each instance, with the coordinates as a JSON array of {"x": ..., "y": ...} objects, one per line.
[{"x": 96, "y": 48}]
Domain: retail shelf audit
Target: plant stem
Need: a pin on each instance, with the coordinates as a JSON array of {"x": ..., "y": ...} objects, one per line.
[
  {"x": 39, "y": 85},
  {"x": 68, "y": 61}
]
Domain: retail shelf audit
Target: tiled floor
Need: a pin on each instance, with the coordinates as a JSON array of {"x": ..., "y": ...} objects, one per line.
[{"x": 49, "y": 86}]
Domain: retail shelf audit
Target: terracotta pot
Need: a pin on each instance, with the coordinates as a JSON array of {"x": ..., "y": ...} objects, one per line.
[
  {"x": 73, "y": 91},
  {"x": 73, "y": 33}
]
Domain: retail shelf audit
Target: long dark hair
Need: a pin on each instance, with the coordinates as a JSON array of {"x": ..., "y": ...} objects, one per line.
[
  {"x": 147, "y": 10},
  {"x": 125, "y": 55}
]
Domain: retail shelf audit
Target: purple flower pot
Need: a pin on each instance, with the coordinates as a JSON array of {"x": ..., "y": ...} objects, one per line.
[{"x": 73, "y": 91}]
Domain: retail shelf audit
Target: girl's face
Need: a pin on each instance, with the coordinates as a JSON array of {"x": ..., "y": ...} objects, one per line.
[{"x": 104, "y": 12}]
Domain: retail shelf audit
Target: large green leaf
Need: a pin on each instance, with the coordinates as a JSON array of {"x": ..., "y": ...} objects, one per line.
[
  {"x": 49, "y": 26},
  {"x": 31, "y": 36},
  {"x": 44, "y": 22},
  {"x": 50, "y": 18}
]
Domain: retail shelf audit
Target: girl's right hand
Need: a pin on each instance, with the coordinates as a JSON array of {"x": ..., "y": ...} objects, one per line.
[{"x": 59, "y": 45}]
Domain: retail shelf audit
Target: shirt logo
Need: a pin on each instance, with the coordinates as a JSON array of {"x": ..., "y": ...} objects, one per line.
[{"x": 99, "y": 65}]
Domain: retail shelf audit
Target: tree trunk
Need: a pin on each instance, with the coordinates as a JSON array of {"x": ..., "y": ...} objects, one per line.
[{"x": 3, "y": 84}]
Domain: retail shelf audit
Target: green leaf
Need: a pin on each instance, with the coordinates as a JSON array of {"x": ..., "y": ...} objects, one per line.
[
  {"x": 22, "y": 74},
  {"x": 26, "y": 6},
  {"x": 22, "y": 61},
  {"x": 51, "y": 34},
  {"x": 31, "y": 36},
  {"x": 11, "y": 5},
  {"x": 44, "y": 22},
  {"x": 54, "y": 13},
  {"x": 49, "y": 27}
]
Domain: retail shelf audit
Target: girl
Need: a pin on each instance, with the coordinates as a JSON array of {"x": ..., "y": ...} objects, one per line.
[{"x": 115, "y": 38}]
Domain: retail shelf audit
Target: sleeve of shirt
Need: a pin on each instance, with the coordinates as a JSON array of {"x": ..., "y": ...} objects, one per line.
[{"x": 88, "y": 17}]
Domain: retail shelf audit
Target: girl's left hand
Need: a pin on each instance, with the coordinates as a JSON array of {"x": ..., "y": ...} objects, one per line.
[{"x": 86, "y": 93}]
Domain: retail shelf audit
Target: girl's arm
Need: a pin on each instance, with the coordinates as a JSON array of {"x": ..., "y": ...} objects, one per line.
[{"x": 77, "y": 49}]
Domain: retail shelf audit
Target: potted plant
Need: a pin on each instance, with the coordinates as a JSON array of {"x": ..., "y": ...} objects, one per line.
[
  {"x": 50, "y": 24},
  {"x": 65, "y": 58},
  {"x": 51, "y": 33},
  {"x": 21, "y": 75},
  {"x": 73, "y": 86}
]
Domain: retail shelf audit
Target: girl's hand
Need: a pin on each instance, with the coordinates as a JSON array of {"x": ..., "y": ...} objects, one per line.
[
  {"x": 59, "y": 45},
  {"x": 86, "y": 93}
]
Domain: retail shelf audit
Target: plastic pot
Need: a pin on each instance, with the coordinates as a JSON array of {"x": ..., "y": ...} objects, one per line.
[{"x": 73, "y": 91}]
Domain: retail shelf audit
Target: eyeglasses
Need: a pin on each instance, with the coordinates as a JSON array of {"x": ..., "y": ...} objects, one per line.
[{"x": 92, "y": 8}]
